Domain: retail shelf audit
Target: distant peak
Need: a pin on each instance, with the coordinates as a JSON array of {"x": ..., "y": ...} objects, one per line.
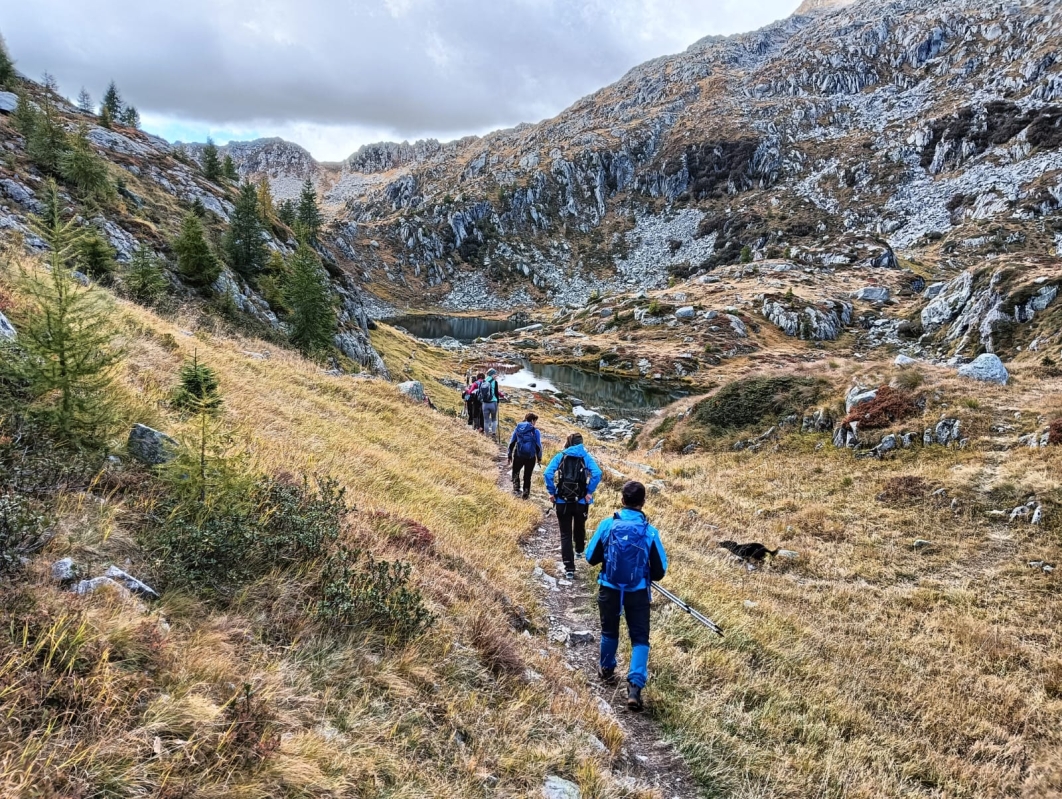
[{"x": 822, "y": 6}]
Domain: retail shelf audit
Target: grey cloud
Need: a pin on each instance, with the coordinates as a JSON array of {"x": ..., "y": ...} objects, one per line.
[{"x": 410, "y": 66}]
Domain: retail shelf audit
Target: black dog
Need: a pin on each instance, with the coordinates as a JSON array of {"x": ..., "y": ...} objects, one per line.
[{"x": 748, "y": 552}]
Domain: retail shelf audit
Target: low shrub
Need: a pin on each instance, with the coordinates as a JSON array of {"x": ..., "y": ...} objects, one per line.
[
  {"x": 756, "y": 400},
  {"x": 1054, "y": 434},
  {"x": 891, "y": 405},
  {"x": 356, "y": 589},
  {"x": 22, "y": 532}
]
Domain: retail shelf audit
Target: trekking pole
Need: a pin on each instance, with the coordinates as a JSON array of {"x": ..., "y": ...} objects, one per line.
[{"x": 696, "y": 614}]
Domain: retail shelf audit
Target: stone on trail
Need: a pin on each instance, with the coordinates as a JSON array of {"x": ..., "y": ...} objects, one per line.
[
  {"x": 557, "y": 788},
  {"x": 150, "y": 446},
  {"x": 63, "y": 570},
  {"x": 686, "y": 312},
  {"x": 986, "y": 367},
  {"x": 589, "y": 419},
  {"x": 413, "y": 389}
]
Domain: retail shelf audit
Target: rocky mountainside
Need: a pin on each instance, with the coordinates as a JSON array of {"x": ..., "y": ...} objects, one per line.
[{"x": 857, "y": 135}]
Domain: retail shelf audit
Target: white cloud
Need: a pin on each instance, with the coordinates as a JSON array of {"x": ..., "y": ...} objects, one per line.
[{"x": 334, "y": 70}]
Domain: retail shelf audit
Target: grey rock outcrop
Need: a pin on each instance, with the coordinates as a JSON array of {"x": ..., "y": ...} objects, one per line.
[
  {"x": 824, "y": 322},
  {"x": 150, "y": 446},
  {"x": 7, "y": 330},
  {"x": 130, "y": 582},
  {"x": 857, "y": 395},
  {"x": 413, "y": 389},
  {"x": 558, "y": 788},
  {"x": 987, "y": 368},
  {"x": 946, "y": 432},
  {"x": 876, "y": 294},
  {"x": 8, "y": 102},
  {"x": 948, "y": 302},
  {"x": 589, "y": 419}
]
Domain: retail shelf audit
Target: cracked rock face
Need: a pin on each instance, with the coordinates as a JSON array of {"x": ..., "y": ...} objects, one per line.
[{"x": 987, "y": 368}]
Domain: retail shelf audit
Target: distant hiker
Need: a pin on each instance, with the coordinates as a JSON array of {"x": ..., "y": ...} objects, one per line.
[
  {"x": 631, "y": 555},
  {"x": 488, "y": 396},
  {"x": 473, "y": 404},
  {"x": 571, "y": 479},
  {"x": 525, "y": 450}
]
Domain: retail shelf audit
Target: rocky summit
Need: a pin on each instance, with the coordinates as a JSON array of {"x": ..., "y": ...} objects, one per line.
[{"x": 880, "y": 134}]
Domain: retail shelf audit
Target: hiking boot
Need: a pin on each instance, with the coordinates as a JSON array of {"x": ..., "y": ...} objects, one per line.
[
  {"x": 608, "y": 676},
  {"x": 634, "y": 698},
  {"x": 527, "y": 495},
  {"x": 570, "y": 574}
]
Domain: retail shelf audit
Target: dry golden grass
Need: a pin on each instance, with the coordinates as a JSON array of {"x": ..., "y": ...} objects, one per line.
[
  {"x": 867, "y": 668},
  {"x": 105, "y": 696}
]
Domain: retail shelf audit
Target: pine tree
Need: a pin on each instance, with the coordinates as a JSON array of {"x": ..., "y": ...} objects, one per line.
[
  {"x": 308, "y": 215},
  {"x": 84, "y": 102},
  {"x": 95, "y": 255},
  {"x": 199, "y": 390},
  {"x": 211, "y": 164},
  {"x": 271, "y": 284},
  {"x": 195, "y": 261},
  {"x": 243, "y": 240},
  {"x": 82, "y": 168},
  {"x": 266, "y": 210},
  {"x": 112, "y": 102},
  {"x": 228, "y": 169},
  {"x": 106, "y": 120},
  {"x": 7, "y": 66},
  {"x": 67, "y": 338},
  {"x": 131, "y": 117},
  {"x": 25, "y": 116},
  {"x": 286, "y": 212},
  {"x": 746, "y": 254},
  {"x": 313, "y": 318},
  {"x": 46, "y": 142},
  {"x": 198, "y": 208},
  {"x": 143, "y": 278}
]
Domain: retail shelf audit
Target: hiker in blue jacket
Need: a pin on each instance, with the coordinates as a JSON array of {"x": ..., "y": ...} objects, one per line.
[
  {"x": 571, "y": 480},
  {"x": 525, "y": 450},
  {"x": 631, "y": 555}
]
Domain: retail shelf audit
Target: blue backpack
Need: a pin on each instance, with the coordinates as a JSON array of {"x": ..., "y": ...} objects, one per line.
[
  {"x": 627, "y": 554},
  {"x": 526, "y": 443}
]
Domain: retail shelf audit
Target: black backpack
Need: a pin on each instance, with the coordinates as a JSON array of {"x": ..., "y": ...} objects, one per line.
[
  {"x": 572, "y": 484},
  {"x": 486, "y": 391}
]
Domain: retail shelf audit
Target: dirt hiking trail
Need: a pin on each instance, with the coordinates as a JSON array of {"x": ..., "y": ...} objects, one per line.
[{"x": 647, "y": 760}]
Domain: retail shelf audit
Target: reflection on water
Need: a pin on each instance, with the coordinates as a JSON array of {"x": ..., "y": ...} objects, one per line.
[
  {"x": 615, "y": 395},
  {"x": 463, "y": 328}
]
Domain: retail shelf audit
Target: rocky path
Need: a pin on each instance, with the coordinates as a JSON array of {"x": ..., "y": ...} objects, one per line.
[{"x": 647, "y": 762}]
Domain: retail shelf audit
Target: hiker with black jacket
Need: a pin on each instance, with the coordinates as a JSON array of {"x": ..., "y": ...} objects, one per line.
[
  {"x": 473, "y": 404},
  {"x": 571, "y": 480},
  {"x": 631, "y": 556},
  {"x": 525, "y": 450}
]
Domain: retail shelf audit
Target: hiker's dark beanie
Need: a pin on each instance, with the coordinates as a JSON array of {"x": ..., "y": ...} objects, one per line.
[
  {"x": 574, "y": 439},
  {"x": 633, "y": 494}
]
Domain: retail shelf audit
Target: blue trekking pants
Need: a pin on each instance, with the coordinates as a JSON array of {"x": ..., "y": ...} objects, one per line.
[{"x": 636, "y": 610}]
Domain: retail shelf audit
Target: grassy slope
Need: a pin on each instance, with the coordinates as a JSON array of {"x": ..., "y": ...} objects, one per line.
[{"x": 451, "y": 715}]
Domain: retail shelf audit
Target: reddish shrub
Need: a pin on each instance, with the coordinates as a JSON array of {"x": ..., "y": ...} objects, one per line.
[
  {"x": 406, "y": 533},
  {"x": 1054, "y": 435},
  {"x": 891, "y": 405}
]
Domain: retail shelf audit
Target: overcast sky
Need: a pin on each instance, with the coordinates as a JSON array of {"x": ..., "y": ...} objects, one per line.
[{"x": 332, "y": 75}]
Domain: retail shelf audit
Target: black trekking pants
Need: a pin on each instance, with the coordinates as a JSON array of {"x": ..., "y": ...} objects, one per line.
[
  {"x": 477, "y": 415},
  {"x": 571, "y": 516},
  {"x": 528, "y": 467},
  {"x": 636, "y": 610}
]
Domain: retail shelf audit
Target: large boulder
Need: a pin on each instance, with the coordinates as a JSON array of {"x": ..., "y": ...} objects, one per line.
[
  {"x": 986, "y": 367},
  {"x": 8, "y": 102},
  {"x": 7, "y": 330},
  {"x": 686, "y": 312},
  {"x": 947, "y": 304},
  {"x": 589, "y": 419},
  {"x": 150, "y": 446},
  {"x": 413, "y": 389},
  {"x": 873, "y": 294},
  {"x": 822, "y": 322}
]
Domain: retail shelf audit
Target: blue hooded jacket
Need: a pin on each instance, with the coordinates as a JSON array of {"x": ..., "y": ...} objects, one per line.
[
  {"x": 514, "y": 442},
  {"x": 591, "y": 465},
  {"x": 595, "y": 550}
]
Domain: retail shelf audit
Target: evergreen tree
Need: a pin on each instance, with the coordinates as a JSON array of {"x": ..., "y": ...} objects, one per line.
[
  {"x": 45, "y": 139},
  {"x": 95, "y": 255},
  {"x": 198, "y": 391},
  {"x": 143, "y": 278},
  {"x": 112, "y": 102},
  {"x": 67, "y": 338},
  {"x": 25, "y": 116},
  {"x": 211, "y": 163},
  {"x": 286, "y": 212},
  {"x": 84, "y": 102},
  {"x": 271, "y": 284},
  {"x": 746, "y": 254},
  {"x": 313, "y": 318},
  {"x": 82, "y": 168},
  {"x": 228, "y": 169},
  {"x": 265, "y": 202},
  {"x": 195, "y": 261},
  {"x": 7, "y": 66},
  {"x": 243, "y": 240},
  {"x": 131, "y": 117},
  {"x": 198, "y": 208},
  {"x": 106, "y": 120},
  {"x": 308, "y": 215},
  {"x": 49, "y": 82}
]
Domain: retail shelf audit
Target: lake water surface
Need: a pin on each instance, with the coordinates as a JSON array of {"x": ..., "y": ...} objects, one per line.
[{"x": 463, "y": 328}]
